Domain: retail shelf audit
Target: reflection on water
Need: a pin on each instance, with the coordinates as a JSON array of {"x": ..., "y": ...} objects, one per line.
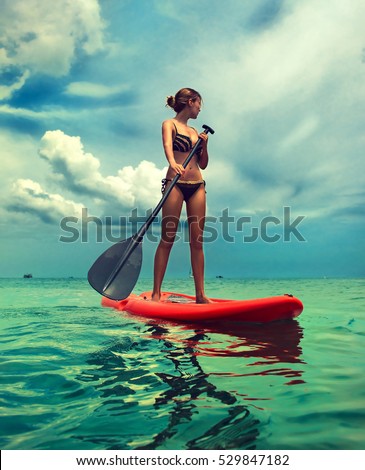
[{"x": 164, "y": 366}]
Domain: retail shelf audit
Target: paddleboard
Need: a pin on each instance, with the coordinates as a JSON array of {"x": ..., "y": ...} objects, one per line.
[{"x": 182, "y": 308}]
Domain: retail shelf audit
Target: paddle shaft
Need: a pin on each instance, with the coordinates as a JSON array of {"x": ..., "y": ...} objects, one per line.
[{"x": 138, "y": 237}]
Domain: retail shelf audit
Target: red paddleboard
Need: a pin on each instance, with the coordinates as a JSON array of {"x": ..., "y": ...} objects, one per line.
[{"x": 182, "y": 308}]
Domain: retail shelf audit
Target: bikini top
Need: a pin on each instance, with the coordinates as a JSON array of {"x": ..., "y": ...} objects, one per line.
[{"x": 183, "y": 143}]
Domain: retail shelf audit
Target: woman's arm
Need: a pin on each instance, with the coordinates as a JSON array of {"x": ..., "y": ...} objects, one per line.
[
  {"x": 167, "y": 133},
  {"x": 204, "y": 157}
]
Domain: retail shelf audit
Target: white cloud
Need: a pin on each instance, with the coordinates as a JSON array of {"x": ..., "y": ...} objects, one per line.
[
  {"x": 28, "y": 196},
  {"x": 301, "y": 132},
  {"x": 7, "y": 90},
  {"x": 277, "y": 96},
  {"x": 286, "y": 102},
  {"x": 95, "y": 90},
  {"x": 315, "y": 46},
  {"x": 36, "y": 115},
  {"x": 39, "y": 36},
  {"x": 79, "y": 172},
  {"x": 50, "y": 113}
]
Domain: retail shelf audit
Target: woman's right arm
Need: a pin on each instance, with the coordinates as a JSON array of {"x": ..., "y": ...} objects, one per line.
[{"x": 167, "y": 142}]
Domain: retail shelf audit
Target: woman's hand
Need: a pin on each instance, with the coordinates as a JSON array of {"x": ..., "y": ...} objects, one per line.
[
  {"x": 178, "y": 169},
  {"x": 204, "y": 138}
]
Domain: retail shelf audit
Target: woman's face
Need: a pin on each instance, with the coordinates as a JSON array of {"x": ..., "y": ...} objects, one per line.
[{"x": 195, "y": 106}]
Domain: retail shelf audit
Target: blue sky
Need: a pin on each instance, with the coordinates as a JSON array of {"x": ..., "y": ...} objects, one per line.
[{"x": 82, "y": 93}]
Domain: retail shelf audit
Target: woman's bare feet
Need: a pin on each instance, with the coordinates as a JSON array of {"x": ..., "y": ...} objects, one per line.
[
  {"x": 155, "y": 297},
  {"x": 203, "y": 300}
]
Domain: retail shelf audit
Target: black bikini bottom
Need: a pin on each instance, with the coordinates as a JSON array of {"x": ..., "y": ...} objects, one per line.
[{"x": 187, "y": 188}]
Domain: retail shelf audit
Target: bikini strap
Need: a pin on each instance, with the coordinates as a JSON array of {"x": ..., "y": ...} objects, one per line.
[{"x": 164, "y": 183}]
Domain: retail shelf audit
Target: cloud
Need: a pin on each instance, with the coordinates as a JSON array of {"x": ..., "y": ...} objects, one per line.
[
  {"x": 41, "y": 37},
  {"x": 29, "y": 197},
  {"x": 79, "y": 172},
  {"x": 282, "y": 83},
  {"x": 291, "y": 60},
  {"x": 94, "y": 90},
  {"x": 302, "y": 131},
  {"x": 265, "y": 15},
  {"x": 285, "y": 102},
  {"x": 17, "y": 82}
]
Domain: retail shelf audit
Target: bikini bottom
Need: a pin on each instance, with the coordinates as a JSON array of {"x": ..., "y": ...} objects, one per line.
[{"x": 187, "y": 188}]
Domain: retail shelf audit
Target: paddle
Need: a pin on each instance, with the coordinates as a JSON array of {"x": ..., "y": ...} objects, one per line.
[{"x": 115, "y": 272}]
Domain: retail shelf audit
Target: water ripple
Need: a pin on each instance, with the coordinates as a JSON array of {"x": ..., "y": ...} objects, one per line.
[{"x": 75, "y": 375}]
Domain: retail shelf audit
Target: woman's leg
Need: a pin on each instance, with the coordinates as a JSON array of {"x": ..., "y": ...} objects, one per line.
[
  {"x": 171, "y": 211},
  {"x": 195, "y": 208}
]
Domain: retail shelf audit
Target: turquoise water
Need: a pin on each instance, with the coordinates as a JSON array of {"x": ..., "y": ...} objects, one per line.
[{"x": 75, "y": 375}]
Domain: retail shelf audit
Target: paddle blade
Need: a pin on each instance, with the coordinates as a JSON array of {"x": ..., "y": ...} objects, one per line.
[{"x": 125, "y": 279}]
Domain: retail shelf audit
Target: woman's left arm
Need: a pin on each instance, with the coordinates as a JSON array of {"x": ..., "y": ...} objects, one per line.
[{"x": 203, "y": 158}]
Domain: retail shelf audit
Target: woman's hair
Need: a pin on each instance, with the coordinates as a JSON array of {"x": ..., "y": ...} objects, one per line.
[{"x": 179, "y": 101}]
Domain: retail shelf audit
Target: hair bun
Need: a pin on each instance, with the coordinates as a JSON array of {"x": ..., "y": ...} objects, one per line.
[{"x": 170, "y": 101}]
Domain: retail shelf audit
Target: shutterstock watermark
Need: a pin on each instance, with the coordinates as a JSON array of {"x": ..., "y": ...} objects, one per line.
[{"x": 232, "y": 229}]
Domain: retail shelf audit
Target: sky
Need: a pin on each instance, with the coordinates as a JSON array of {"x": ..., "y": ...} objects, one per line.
[{"x": 83, "y": 86}]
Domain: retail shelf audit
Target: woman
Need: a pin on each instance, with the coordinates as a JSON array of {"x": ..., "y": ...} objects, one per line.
[{"x": 178, "y": 139}]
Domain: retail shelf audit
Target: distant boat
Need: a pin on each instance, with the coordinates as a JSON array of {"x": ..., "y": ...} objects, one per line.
[
  {"x": 219, "y": 277},
  {"x": 28, "y": 276}
]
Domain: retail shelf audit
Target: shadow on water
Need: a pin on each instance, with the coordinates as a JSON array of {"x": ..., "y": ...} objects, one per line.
[{"x": 166, "y": 362}]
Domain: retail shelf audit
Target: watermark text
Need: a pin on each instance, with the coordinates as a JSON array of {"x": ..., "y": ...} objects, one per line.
[{"x": 230, "y": 228}]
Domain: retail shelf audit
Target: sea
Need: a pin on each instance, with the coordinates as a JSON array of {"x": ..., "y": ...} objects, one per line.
[{"x": 76, "y": 375}]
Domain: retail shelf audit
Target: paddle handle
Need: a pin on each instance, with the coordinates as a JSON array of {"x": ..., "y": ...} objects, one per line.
[{"x": 139, "y": 235}]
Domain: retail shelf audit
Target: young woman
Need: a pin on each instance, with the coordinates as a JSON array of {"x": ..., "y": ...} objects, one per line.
[{"x": 178, "y": 139}]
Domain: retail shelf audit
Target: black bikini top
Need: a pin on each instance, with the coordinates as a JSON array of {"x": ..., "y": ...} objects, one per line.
[{"x": 183, "y": 143}]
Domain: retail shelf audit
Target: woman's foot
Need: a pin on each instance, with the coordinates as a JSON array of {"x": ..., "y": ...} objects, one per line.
[
  {"x": 203, "y": 300},
  {"x": 155, "y": 297}
]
